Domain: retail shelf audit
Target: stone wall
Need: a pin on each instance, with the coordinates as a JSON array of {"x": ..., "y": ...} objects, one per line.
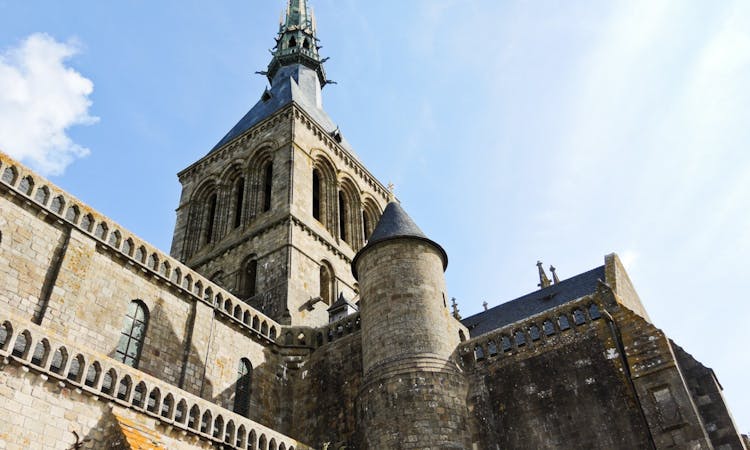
[
  {"x": 325, "y": 389},
  {"x": 706, "y": 393}
]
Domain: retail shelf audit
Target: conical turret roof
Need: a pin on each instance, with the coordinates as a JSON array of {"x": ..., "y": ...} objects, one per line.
[{"x": 395, "y": 223}]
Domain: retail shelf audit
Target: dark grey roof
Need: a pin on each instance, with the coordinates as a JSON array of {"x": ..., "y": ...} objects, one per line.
[
  {"x": 342, "y": 303},
  {"x": 295, "y": 83},
  {"x": 395, "y": 223},
  {"x": 535, "y": 302}
]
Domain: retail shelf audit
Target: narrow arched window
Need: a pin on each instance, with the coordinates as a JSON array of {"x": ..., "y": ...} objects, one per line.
[
  {"x": 316, "y": 195},
  {"x": 211, "y": 211},
  {"x": 343, "y": 214},
  {"x": 365, "y": 226},
  {"x": 133, "y": 334},
  {"x": 239, "y": 199},
  {"x": 249, "y": 278},
  {"x": 267, "y": 186},
  {"x": 326, "y": 284},
  {"x": 242, "y": 390}
]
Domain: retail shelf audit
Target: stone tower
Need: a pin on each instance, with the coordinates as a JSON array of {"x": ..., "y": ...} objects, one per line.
[
  {"x": 413, "y": 395},
  {"x": 277, "y": 209}
]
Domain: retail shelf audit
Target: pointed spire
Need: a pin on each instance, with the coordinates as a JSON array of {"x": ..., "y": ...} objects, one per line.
[
  {"x": 543, "y": 280},
  {"x": 296, "y": 42}
]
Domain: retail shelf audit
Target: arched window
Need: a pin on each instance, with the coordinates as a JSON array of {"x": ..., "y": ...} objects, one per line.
[
  {"x": 316, "y": 194},
  {"x": 326, "y": 283},
  {"x": 248, "y": 278},
  {"x": 343, "y": 218},
  {"x": 133, "y": 334},
  {"x": 242, "y": 390},
  {"x": 239, "y": 200},
  {"x": 267, "y": 186},
  {"x": 210, "y": 220}
]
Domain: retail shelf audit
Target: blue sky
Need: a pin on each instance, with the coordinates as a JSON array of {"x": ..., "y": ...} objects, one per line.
[{"x": 513, "y": 131}]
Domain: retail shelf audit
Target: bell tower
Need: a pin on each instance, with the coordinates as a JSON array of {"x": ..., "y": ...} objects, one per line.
[{"x": 276, "y": 211}]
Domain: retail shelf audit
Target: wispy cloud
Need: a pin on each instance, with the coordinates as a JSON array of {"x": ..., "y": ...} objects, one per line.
[{"x": 40, "y": 98}]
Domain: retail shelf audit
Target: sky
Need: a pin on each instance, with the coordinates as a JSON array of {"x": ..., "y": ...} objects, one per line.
[{"x": 514, "y": 131}]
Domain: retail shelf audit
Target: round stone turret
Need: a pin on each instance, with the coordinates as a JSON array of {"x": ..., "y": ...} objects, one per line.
[{"x": 408, "y": 339}]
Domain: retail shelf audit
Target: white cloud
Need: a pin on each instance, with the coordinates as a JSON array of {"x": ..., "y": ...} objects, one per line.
[{"x": 40, "y": 98}]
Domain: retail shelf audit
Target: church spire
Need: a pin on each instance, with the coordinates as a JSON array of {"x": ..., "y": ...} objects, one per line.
[{"x": 296, "y": 42}]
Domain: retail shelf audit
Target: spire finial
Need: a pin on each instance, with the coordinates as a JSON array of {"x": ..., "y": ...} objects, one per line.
[
  {"x": 297, "y": 42},
  {"x": 454, "y": 304},
  {"x": 485, "y": 305},
  {"x": 543, "y": 280},
  {"x": 554, "y": 274},
  {"x": 391, "y": 191}
]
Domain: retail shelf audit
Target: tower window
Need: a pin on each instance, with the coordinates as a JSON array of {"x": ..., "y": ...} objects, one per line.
[
  {"x": 239, "y": 198},
  {"x": 292, "y": 42},
  {"x": 133, "y": 334},
  {"x": 249, "y": 278},
  {"x": 316, "y": 195},
  {"x": 326, "y": 283},
  {"x": 267, "y": 186},
  {"x": 211, "y": 210},
  {"x": 306, "y": 44},
  {"x": 242, "y": 389},
  {"x": 342, "y": 217}
]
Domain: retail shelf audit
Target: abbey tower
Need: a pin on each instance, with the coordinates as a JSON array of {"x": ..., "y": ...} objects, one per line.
[{"x": 277, "y": 209}]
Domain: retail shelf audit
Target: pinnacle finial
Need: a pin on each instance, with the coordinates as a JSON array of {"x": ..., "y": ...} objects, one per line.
[
  {"x": 554, "y": 274},
  {"x": 543, "y": 280},
  {"x": 456, "y": 313},
  {"x": 391, "y": 191},
  {"x": 296, "y": 42},
  {"x": 485, "y": 305}
]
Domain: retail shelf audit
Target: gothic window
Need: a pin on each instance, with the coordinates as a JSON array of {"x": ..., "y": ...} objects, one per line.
[
  {"x": 210, "y": 221},
  {"x": 370, "y": 216},
  {"x": 306, "y": 44},
  {"x": 239, "y": 199},
  {"x": 326, "y": 283},
  {"x": 133, "y": 334},
  {"x": 248, "y": 278},
  {"x": 343, "y": 217},
  {"x": 292, "y": 42},
  {"x": 242, "y": 390},
  {"x": 316, "y": 194},
  {"x": 267, "y": 186}
]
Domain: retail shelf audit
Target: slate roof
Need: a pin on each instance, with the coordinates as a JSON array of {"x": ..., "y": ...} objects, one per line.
[
  {"x": 395, "y": 223},
  {"x": 534, "y": 303},
  {"x": 295, "y": 83}
]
